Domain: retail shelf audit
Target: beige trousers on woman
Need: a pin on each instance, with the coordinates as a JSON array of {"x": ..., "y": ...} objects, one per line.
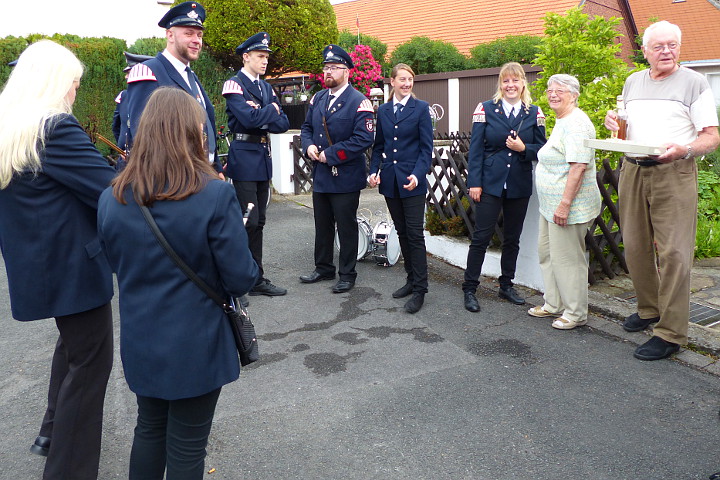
[{"x": 564, "y": 268}]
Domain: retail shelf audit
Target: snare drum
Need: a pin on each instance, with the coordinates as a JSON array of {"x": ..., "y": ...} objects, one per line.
[
  {"x": 385, "y": 244},
  {"x": 364, "y": 238}
]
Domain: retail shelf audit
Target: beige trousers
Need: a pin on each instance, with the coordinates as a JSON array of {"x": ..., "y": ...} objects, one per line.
[
  {"x": 658, "y": 217},
  {"x": 564, "y": 268}
]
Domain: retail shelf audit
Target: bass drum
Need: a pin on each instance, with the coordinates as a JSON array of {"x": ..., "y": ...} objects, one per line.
[
  {"x": 385, "y": 244},
  {"x": 364, "y": 238}
]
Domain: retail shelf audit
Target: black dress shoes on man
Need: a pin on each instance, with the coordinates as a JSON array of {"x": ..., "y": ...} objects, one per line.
[
  {"x": 511, "y": 295},
  {"x": 634, "y": 323},
  {"x": 415, "y": 303},
  {"x": 403, "y": 291},
  {"x": 267, "y": 288},
  {"x": 314, "y": 276},
  {"x": 655, "y": 349},
  {"x": 715, "y": 476},
  {"x": 471, "y": 302},
  {"x": 343, "y": 286},
  {"x": 41, "y": 446}
]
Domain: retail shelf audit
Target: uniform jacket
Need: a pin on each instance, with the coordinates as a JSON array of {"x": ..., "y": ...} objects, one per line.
[
  {"x": 120, "y": 121},
  {"x": 145, "y": 77},
  {"x": 403, "y": 147},
  {"x": 250, "y": 161},
  {"x": 175, "y": 342},
  {"x": 491, "y": 165},
  {"x": 48, "y": 234},
  {"x": 350, "y": 124}
]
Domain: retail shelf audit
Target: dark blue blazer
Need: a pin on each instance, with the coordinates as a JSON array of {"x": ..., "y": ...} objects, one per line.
[
  {"x": 120, "y": 122},
  {"x": 145, "y": 77},
  {"x": 249, "y": 161},
  {"x": 403, "y": 147},
  {"x": 351, "y": 128},
  {"x": 48, "y": 235},
  {"x": 175, "y": 342},
  {"x": 491, "y": 165}
]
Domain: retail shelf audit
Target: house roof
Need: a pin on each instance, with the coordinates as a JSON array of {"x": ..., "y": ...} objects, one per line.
[
  {"x": 698, "y": 20},
  {"x": 464, "y": 23}
]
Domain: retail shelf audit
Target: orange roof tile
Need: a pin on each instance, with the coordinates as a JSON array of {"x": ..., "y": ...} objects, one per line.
[
  {"x": 464, "y": 23},
  {"x": 698, "y": 20}
]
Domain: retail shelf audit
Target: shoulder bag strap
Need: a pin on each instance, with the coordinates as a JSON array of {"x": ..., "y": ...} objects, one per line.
[{"x": 189, "y": 273}]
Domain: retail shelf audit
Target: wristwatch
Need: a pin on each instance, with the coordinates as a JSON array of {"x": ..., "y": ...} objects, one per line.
[{"x": 688, "y": 154}]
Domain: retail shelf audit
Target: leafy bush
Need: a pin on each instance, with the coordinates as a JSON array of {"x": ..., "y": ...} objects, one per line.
[
  {"x": 513, "y": 48},
  {"x": 299, "y": 31},
  {"x": 453, "y": 226},
  {"x": 425, "y": 55},
  {"x": 707, "y": 239},
  {"x": 583, "y": 46},
  {"x": 349, "y": 40}
]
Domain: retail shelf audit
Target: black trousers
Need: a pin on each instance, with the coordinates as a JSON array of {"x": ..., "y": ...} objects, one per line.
[
  {"x": 78, "y": 379},
  {"x": 336, "y": 209},
  {"x": 487, "y": 212},
  {"x": 257, "y": 194},
  {"x": 408, "y": 214},
  {"x": 172, "y": 434}
]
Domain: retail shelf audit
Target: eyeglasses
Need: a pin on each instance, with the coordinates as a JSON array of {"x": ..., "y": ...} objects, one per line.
[
  {"x": 661, "y": 47},
  {"x": 557, "y": 92},
  {"x": 333, "y": 69}
]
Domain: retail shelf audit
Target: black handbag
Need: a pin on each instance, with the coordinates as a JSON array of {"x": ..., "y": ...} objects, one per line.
[{"x": 240, "y": 324}]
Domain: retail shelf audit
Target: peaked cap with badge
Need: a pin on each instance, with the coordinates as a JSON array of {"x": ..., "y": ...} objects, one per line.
[
  {"x": 187, "y": 14},
  {"x": 336, "y": 54},
  {"x": 133, "y": 59},
  {"x": 259, "y": 41}
]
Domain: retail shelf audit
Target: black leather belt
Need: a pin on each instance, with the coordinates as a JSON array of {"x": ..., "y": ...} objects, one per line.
[
  {"x": 643, "y": 161},
  {"x": 246, "y": 137}
]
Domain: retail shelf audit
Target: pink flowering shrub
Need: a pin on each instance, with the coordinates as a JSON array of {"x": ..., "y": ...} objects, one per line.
[{"x": 366, "y": 73}]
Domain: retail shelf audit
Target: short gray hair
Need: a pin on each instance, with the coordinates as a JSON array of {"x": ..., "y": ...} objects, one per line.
[
  {"x": 568, "y": 81},
  {"x": 662, "y": 24}
]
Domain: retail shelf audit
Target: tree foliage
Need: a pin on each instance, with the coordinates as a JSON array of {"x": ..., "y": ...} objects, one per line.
[
  {"x": 348, "y": 40},
  {"x": 425, "y": 55},
  {"x": 513, "y": 48},
  {"x": 299, "y": 30},
  {"x": 582, "y": 45}
]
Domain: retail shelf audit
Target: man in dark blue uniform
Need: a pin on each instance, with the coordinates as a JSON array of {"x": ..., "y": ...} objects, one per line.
[
  {"x": 337, "y": 130},
  {"x": 120, "y": 115},
  {"x": 171, "y": 68},
  {"x": 253, "y": 111}
]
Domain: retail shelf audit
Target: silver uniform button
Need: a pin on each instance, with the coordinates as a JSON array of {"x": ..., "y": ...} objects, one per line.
[{"x": 394, "y": 150}]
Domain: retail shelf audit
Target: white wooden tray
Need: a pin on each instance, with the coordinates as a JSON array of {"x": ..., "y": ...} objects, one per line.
[{"x": 615, "y": 145}]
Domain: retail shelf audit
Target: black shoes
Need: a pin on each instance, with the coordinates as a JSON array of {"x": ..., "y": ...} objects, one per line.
[
  {"x": 314, "y": 276},
  {"x": 715, "y": 476},
  {"x": 471, "y": 302},
  {"x": 634, "y": 323},
  {"x": 343, "y": 286},
  {"x": 509, "y": 294},
  {"x": 415, "y": 303},
  {"x": 403, "y": 291},
  {"x": 267, "y": 288},
  {"x": 41, "y": 446},
  {"x": 655, "y": 349}
]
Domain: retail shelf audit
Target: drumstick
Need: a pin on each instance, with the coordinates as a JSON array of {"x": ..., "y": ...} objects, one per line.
[{"x": 250, "y": 206}]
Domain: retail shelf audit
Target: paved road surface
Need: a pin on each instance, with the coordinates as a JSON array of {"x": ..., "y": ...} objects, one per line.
[{"x": 352, "y": 387}]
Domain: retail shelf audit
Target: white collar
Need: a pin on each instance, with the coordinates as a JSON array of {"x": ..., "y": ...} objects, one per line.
[
  {"x": 179, "y": 66},
  {"x": 509, "y": 107},
  {"x": 339, "y": 92},
  {"x": 402, "y": 102},
  {"x": 247, "y": 74}
]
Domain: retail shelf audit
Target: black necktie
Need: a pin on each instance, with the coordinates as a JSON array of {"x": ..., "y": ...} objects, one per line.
[
  {"x": 209, "y": 131},
  {"x": 398, "y": 109},
  {"x": 257, "y": 84},
  {"x": 330, "y": 100}
]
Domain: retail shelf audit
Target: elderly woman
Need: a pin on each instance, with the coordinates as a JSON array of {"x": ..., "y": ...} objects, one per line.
[
  {"x": 569, "y": 201},
  {"x": 507, "y": 133},
  {"x": 51, "y": 177}
]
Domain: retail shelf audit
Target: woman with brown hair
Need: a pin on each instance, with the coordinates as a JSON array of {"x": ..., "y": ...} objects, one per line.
[{"x": 176, "y": 344}]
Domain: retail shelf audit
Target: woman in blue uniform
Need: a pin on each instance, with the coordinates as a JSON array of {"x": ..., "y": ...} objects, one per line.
[
  {"x": 176, "y": 344},
  {"x": 51, "y": 177},
  {"x": 507, "y": 133},
  {"x": 400, "y": 161}
]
